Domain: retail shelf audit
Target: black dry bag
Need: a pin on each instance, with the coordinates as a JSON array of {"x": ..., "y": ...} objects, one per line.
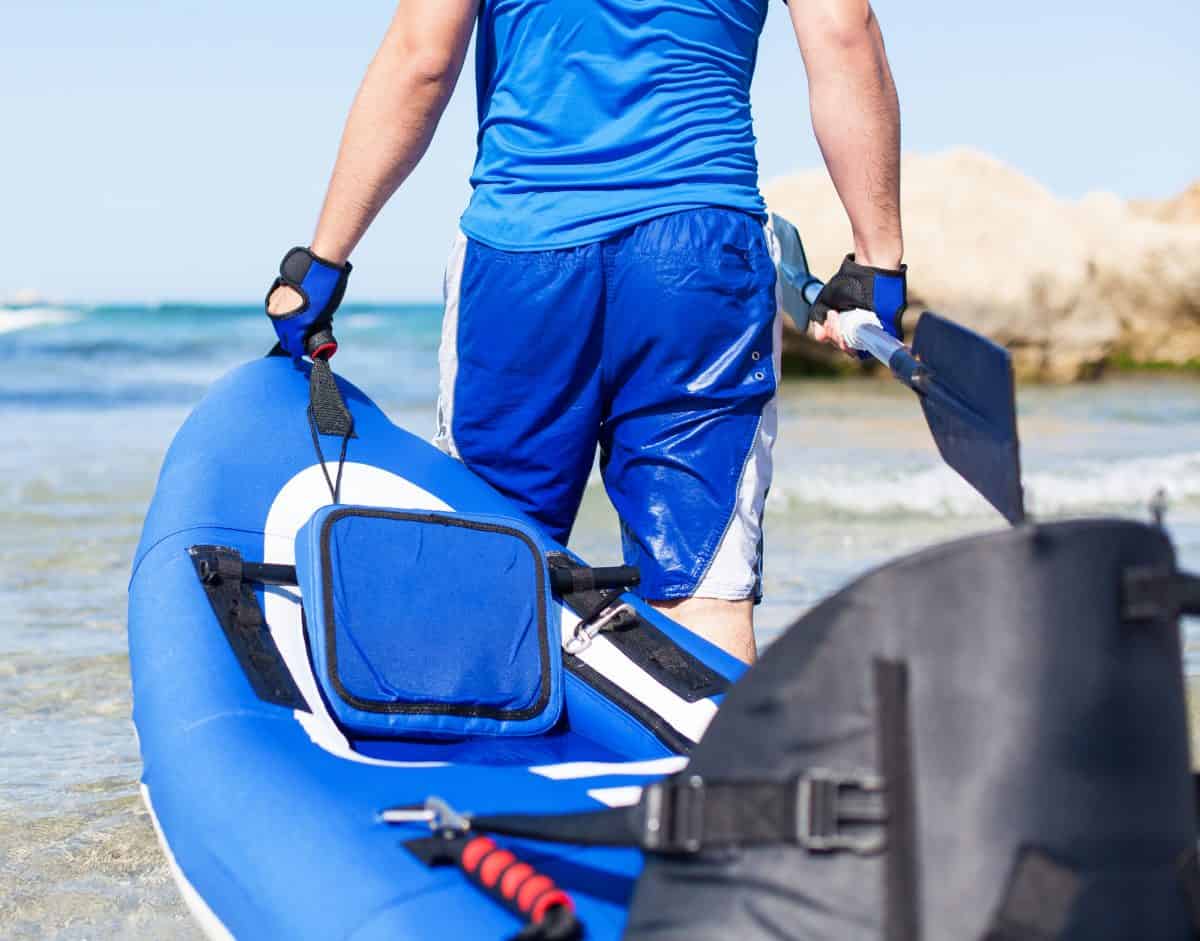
[{"x": 986, "y": 741}]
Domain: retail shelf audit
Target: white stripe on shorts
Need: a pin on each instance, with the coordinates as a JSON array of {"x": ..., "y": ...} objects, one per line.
[
  {"x": 733, "y": 573},
  {"x": 448, "y": 351}
]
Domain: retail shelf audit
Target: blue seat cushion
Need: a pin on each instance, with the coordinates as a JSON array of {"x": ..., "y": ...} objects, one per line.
[{"x": 430, "y": 625}]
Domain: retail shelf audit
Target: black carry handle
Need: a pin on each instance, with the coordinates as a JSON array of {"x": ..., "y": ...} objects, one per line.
[{"x": 568, "y": 580}]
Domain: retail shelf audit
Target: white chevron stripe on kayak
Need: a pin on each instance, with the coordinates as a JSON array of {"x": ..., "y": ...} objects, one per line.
[
  {"x": 617, "y": 796},
  {"x": 690, "y": 718},
  {"x": 572, "y": 770},
  {"x": 363, "y": 484}
]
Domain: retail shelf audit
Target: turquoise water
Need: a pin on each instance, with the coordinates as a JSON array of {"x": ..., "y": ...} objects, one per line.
[{"x": 91, "y": 398}]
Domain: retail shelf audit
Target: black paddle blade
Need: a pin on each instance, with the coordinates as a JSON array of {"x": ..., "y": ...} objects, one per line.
[{"x": 969, "y": 401}]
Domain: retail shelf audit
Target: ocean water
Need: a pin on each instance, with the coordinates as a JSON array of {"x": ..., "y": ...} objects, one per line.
[{"x": 89, "y": 400}]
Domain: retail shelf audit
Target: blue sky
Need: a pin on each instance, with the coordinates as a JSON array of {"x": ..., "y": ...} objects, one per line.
[{"x": 175, "y": 150}]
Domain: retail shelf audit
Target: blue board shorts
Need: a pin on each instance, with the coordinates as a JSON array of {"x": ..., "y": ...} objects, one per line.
[{"x": 658, "y": 345}]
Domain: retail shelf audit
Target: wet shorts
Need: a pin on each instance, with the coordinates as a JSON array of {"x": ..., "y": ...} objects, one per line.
[{"x": 659, "y": 346}]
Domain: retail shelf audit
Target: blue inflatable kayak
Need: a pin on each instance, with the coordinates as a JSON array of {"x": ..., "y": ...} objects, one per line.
[{"x": 323, "y": 627}]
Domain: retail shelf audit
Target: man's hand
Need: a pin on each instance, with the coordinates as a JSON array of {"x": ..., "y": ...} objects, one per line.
[
  {"x": 319, "y": 287},
  {"x": 829, "y": 332},
  {"x": 881, "y": 291},
  {"x": 283, "y": 300},
  {"x": 856, "y": 117}
]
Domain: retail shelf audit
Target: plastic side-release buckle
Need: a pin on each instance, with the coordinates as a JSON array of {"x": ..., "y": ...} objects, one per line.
[
  {"x": 673, "y": 815},
  {"x": 825, "y": 800}
]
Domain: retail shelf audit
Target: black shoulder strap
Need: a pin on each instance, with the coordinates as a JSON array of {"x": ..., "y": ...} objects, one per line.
[
  {"x": 901, "y": 873},
  {"x": 819, "y": 810}
]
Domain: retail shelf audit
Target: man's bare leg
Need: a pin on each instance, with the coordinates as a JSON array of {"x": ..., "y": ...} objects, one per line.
[{"x": 728, "y": 624}]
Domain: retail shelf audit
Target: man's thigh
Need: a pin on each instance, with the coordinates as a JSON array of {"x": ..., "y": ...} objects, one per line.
[
  {"x": 691, "y": 334},
  {"x": 520, "y": 399}
]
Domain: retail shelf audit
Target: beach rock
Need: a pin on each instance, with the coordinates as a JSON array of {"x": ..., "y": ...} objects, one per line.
[
  {"x": 1183, "y": 208},
  {"x": 1069, "y": 287}
]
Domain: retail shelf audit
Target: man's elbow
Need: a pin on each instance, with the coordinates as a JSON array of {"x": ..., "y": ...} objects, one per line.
[
  {"x": 429, "y": 66},
  {"x": 838, "y": 24}
]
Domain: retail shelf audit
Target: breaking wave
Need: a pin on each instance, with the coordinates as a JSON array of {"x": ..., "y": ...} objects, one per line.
[
  {"x": 19, "y": 318},
  {"x": 1082, "y": 487}
]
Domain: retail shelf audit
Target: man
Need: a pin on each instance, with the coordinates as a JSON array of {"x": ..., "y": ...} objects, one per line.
[{"x": 613, "y": 284}]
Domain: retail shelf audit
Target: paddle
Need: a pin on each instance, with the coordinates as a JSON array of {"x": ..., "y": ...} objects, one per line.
[{"x": 963, "y": 380}]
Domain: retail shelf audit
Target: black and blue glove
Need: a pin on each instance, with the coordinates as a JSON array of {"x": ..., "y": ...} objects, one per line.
[
  {"x": 321, "y": 285},
  {"x": 855, "y": 286}
]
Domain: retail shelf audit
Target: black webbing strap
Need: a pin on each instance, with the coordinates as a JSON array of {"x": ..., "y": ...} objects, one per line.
[
  {"x": 820, "y": 811},
  {"x": 328, "y": 415},
  {"x": 327, "y": 408},
  {"x": 223, "y": 577},
  {"x": 326, "y": 405},
  {"x": 900, "y": 870},
  {"x": 1038, "y": 900},
  {"x": 327, "y": 411},
  {"x": 1153, "y": 593}
]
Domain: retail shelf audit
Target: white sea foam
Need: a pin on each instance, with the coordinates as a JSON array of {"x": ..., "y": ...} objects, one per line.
[
  {"x": 1085, "y": 486},
  {"x": 362, "y": 321},
  {"x": 25, "y": 318}
]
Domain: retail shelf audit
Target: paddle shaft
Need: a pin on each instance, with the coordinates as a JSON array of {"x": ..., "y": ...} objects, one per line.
[
  {"x": 861, "y": 331},
  {"x": 861, "y": 334}
]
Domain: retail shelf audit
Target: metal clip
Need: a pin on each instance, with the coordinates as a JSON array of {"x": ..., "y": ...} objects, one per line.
[
  {"x": 585, "y": 631},
  {"x": 822, "y": 805},
  {"x": 440, "y": 816}
]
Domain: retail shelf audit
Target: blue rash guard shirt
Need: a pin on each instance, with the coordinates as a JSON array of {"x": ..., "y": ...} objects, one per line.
[{"x": 595, "y": 115}]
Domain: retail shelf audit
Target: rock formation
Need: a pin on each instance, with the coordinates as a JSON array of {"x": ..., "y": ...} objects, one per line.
[
  {"x": 1183, "y": 208},
  {"x": 1069, "y": 287}
]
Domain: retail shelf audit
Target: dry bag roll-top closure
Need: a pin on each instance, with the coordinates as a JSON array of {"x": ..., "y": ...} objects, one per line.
[{"x": 988, "y": 741}]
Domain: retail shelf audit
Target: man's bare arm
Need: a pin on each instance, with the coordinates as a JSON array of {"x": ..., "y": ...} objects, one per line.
[
  {"x": 391, "y": 123},
  {"x": 856, "y": 117}
]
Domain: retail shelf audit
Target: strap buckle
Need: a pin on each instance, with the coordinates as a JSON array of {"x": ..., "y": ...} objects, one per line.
[
  {"x": 826, "y": 799},
  {"x": 673, "y": 815}
]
